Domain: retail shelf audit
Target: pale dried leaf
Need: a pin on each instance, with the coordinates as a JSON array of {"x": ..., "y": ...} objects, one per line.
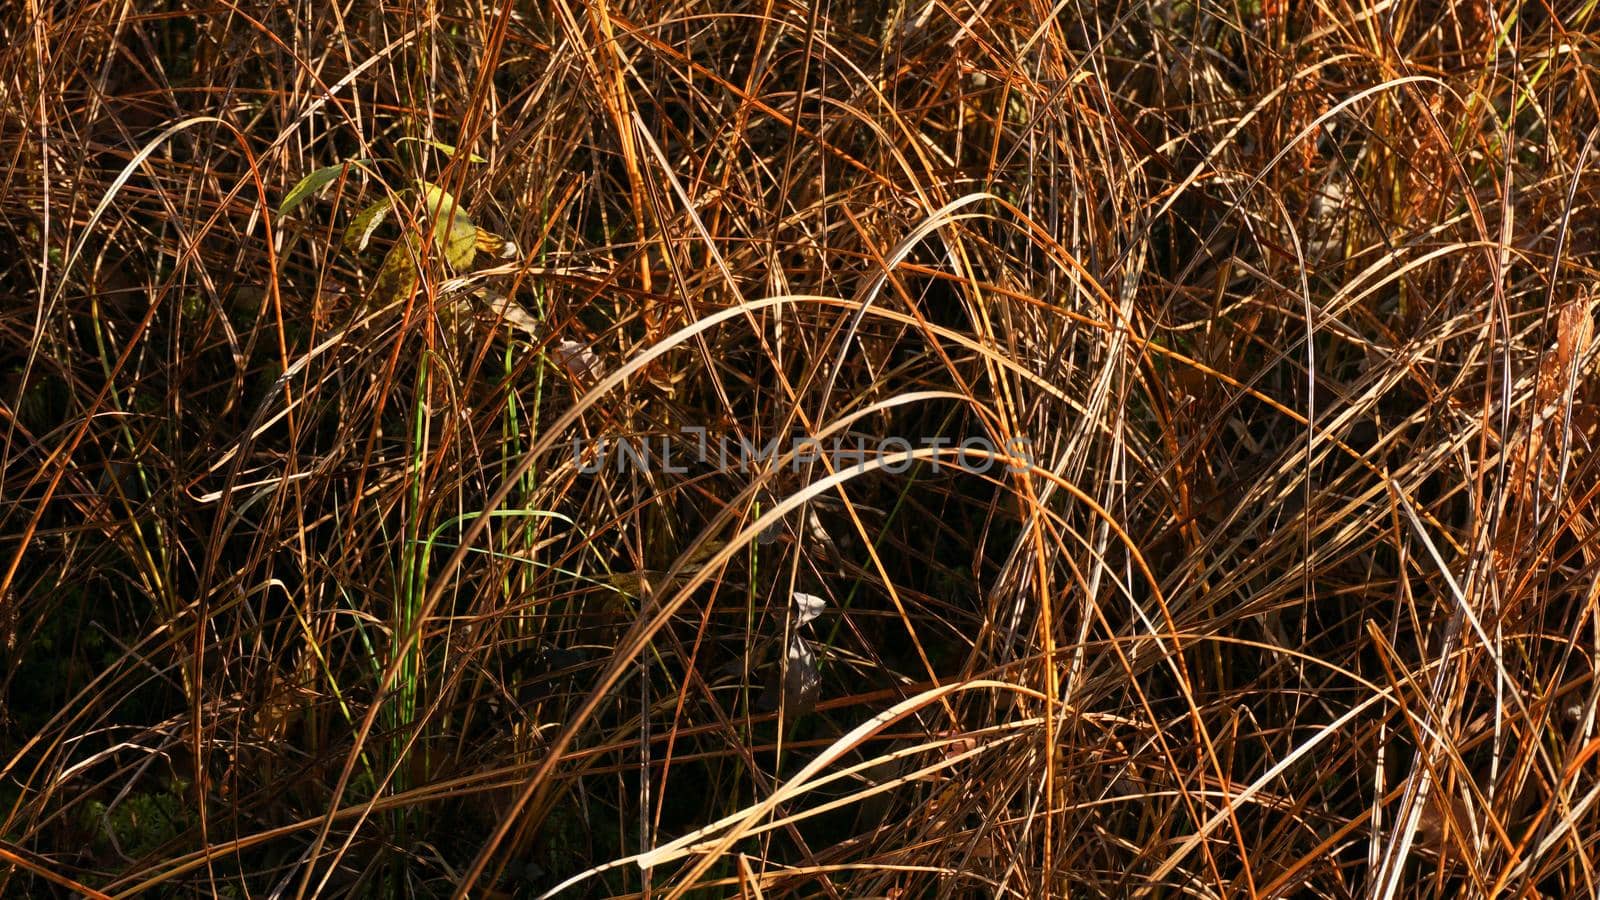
[
  {"x": 807, "y": 607},
  {"x": 800, "y": 678},
  {"x": 576, "y": 357}
]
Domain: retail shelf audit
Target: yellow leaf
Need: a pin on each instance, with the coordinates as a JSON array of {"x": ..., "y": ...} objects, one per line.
[
  {"x": 453, "y": 230},
  {"x": 365, "y": 223},
  {"x": 397, "y": 277}
]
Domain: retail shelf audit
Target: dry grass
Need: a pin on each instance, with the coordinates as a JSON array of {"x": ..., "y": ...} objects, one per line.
[{"x": 305, "y": 589}]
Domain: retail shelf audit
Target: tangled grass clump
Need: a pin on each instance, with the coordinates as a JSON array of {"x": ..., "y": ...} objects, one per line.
[{"x": 1219, "y": 382}]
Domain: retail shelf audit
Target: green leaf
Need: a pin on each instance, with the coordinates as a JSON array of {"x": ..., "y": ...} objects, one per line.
[
  {"x": 310, "y": 185},
  {"x": 446, "y": 149},
  {"x": 360, "y": 229}
]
